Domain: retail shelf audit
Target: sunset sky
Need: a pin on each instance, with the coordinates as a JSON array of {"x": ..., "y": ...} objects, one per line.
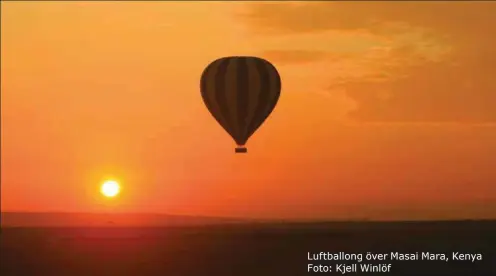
[{"x": 391, "y": 109}]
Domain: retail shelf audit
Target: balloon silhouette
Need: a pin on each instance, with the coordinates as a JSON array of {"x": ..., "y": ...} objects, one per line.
[{"x": 240, "y": 93}]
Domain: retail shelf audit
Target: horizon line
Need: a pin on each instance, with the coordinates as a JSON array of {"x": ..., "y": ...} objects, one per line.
[{"x": 254, "y": 219}]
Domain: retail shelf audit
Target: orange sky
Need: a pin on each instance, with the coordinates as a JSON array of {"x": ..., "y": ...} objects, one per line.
[{"x": 390, "y": 107}]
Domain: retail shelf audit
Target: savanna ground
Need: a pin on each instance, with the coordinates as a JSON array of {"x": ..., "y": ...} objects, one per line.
[{"x": 243, "y": 249}]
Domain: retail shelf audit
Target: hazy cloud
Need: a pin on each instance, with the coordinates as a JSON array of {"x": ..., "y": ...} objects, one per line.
[
  {"x": 294, "y": 56},
  {"x": 435, "y": 61}
]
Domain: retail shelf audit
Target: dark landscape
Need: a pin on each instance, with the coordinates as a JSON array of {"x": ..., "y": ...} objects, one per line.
[{"x": 242, "y": 248}]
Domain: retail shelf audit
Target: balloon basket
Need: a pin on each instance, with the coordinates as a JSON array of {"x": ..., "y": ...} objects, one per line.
[{"x": 240, "y": 150}]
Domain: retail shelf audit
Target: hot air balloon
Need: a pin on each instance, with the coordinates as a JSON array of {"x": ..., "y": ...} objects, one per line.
[{"x": 240, "y": 92}]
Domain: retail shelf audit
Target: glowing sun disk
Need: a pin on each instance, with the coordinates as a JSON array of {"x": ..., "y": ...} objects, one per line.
[{"x": 110, "y": 188}]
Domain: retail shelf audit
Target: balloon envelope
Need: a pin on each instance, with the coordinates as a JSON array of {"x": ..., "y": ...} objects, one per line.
[{"x": 240, "y": 93}]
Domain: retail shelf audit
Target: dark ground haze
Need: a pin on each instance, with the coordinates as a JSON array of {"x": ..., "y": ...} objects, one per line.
[{"x": 236, "y": 250}]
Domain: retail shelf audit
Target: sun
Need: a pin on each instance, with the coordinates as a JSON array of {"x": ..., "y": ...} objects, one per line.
[{"x": 110, "y": 188}]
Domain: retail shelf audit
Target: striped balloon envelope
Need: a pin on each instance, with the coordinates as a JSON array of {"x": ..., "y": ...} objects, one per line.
[{"x": 240, "y": 92}]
